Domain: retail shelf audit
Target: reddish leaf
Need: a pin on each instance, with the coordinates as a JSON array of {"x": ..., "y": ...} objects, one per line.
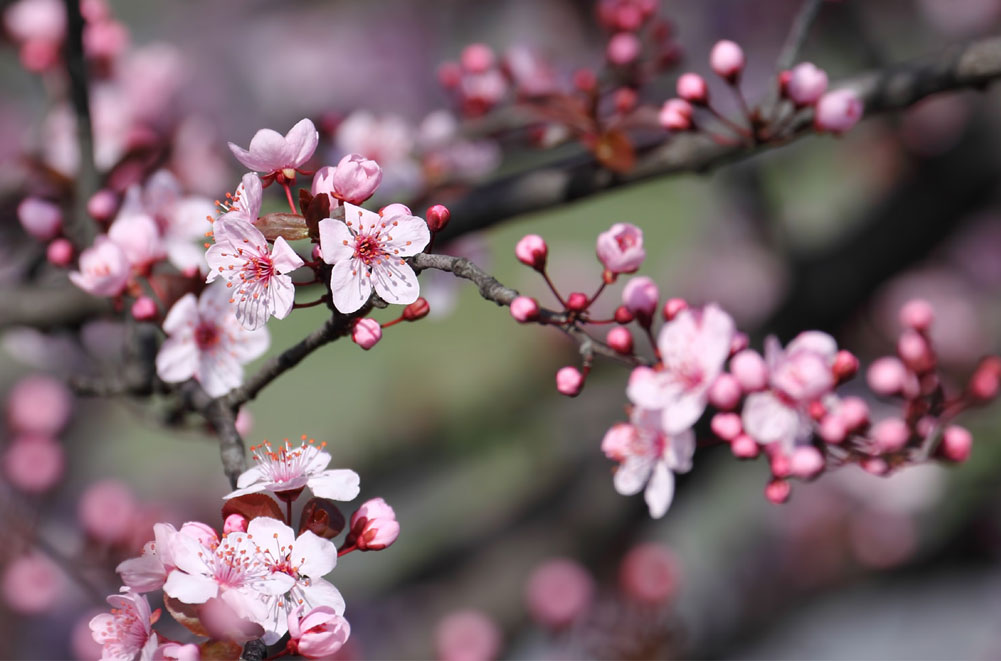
[
  {"x": 615, "y": 151},
  {"x": 185, "y": 614},
  {"x": 291, "y": 226},
  {"x": 319, "y": 208},
  {"x": 305, "y": 197},
  {"x": 251, "y": 506},
  {"x": 321, "y": 517}
]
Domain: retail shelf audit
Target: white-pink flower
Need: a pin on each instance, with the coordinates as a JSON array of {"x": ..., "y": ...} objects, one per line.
[
  {"x": 183, "y": 220},
  {"x": 693, "y": 347},
  {"x": 136, "y": 232},
  {"x": 367, "y": 252},
  {"x": 797, "y": 376},
  {"x": 319, "y": 633},
  {"x": 354, "y": 180},
  {"x": 292, "y": 468},
  {"x": 305, "y": 560},
  {"x": 272, "y": 154},
  {"x": 126, "y": 632},
  {"x": 149, "y": 571},
  {"x": 620, "y": 249},
  {"x": 104, "y": 269},
  {"x": 206, "y": 342},
  {"x": 235, "y": 570},
  {"x": 649, "y": 457},
  {"x": 241, "y": 255}
]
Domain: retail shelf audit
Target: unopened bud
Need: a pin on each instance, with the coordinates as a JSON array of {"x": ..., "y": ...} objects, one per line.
[
  {"x": 672, "y": 307},
  {"x": 366, "y": 333},
  {"x": 416, "y": 310},
  {"x": 986, "y": 380},
  {"x": 569, "y": 381},
  {"x": 777, "y": 491},
  {"x": 234, "y": 523},
  {"x": 744, "y": 447},
  {"x": 727, "y": 60},
  {"x": 917, "y": 314},
  {"x": 144, "y": 309},
  {"x": 577, "y": 302},
  {"x": 845, "y": 366},
  {"x": 890, "y": 435},
  {"x": 623, "y": 315},
  {"x": 957, "y": 443},
  {"x": 692, "y": 88},
  {"x": 621, "y": 340},
  {"x": 438, "y": 217},
  {"x": 532, "y": 251},
  {"x": 524, "y": 309},
  {"x": 59, "y": 252}
]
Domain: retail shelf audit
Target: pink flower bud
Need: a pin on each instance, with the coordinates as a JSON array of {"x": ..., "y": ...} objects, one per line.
[
  {"x": 854, "y": 412},
  {"x": 144, "y": 309},
  {"x": 524, "y": 309},
  {"x": 244, "y": 422},
  {"x": 102, "y": 205},
  {"x": 914, "y": 350},
  {"x": 725, "y": 392},
  {"x": 672, "y": 307},
  {"x": 621, "y": 340},
  {"x": 40, "y": 218},
  {"x": 354, "y": 179},
  {"x": 477, "y": 58},
  {"x": 33, "y": 464},
  {"x": 623, "y": 315},
  {"x": 59, "y": 252},
  {"x": 449, "y": 75},
  {"x": 395, "y": 209},
  {"x": 890, "y": 435},
  {"x": 577, "y": 301},
  {"x": 618, "y": 441},
  {"x": 750, "y": 370},
  {"x": 838, "y": 111},
  {"x": 31, "y": 584},
  {"x": 917, "y": 314},
  {"x": 887, "y": 376},
  {"x": 366, "y": 333},
  {"x": 692, "y": 88},
  {"x": 438, "y": 217},
  {"x": 832, "y": 429},
  {"x": 640, "y": 296},
  {"x": 650, "y": 574},
  {"x": 558, "y": 592},
  {"x": 779, "y": 462},
  {"x": 467, "y": 635},
  {"x": 206, "y": 535},
  {"x": 845, "y": 366},
  {"x": 806, "y": 462},
  {"x": 727, "y": 60},
  {"x": 625, "y": 100},
  {"x": 532, "y": 251},
  {"x": 319, "y": 634},
  {"x": 374, "y": 526},
  {"x": 107, "y": 510},
  {"x": 234, "y": 523},
  {"x": 620, "y": 249},
  {"x": 957, "y": 443},
  {"x": 875, "y": 466},
  {"x": 569, "y": 381},
  {"x": 39, "y": 405},
  {"x": 623, "y": 48},
  {"x": 744, "y": 447},
  {"x": 806, "y": 84},
  {"x": 777, "y": 491},
  {"x": 676, "y": 115},
  {"x": 986, "y": 379},
  {"x": 726, "y": 425},
  {"x": 416, "y": 310}
]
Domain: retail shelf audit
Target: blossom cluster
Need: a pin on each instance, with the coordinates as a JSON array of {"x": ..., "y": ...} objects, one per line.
[{"x": 259, "y": 578}]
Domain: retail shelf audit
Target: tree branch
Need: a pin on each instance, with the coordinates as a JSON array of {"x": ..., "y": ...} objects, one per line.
[
  {"x": 797, "y": 33},
  {"x": 78, "y": 227},
  {"x": 972, "y": 65},
  {"x": 48, "y": 307}
]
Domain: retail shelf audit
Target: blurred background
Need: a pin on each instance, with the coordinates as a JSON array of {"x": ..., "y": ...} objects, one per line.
[{"x": 455, "y": 420}]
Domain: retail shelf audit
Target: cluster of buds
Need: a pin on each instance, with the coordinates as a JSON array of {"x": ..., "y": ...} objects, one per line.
[
  {"x": 39, "y": 29},
  {"x": 477, "y": 80},
  {"x": 634, "y": 25},
  {"x": 802, "y": 87}
]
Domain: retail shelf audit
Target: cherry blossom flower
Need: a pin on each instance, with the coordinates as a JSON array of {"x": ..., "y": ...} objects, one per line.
[
  {"x": 693, "y": 348},
  {"x": 367, "y": 252},
  {"x": 104, "y": 269},
  {"x": 149, "y": 571},
  {"x": 127, "y": 631},
  {"x": 373, "y": 526},
  {"x": 278, "y": 157},
  {"x": 136, "y": 233},
  {"x": 183, "y": 220},
  {"x": 290, "y": 469},
  {"x": 354, "y": 180},
  {"x": 235, "y": 571},
  {"x": 304, "y": 560},
  {"x": 649, "y": 456},
  {"x": 620, "y": 249},
  {"x": 319, "y": 633},
  {"x": 798, "y": 375},
  {"x": 206, "y": 342},
  {"x": 241, "y": 256}
]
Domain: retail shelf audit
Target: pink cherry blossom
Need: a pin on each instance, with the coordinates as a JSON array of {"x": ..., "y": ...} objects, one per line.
[
  {"x": 40, "y": 218},
  {"x": 33, "y": 464},
  {"x": 272, "y": 154},
  {"x": 59, "y": 252},
  {"x": 31, "y": 20},
  {"x": 374, "y": 526},
  {"x": 640, "y": 296},
  {"x": 676, "y": 115},
  {"x": 304, "y": 561},
  {"x": 206, "y": 342},
  {"x": 319, "y": 633},
  {"x": 39, "y": 404},
  {"x": 367, "y": 252},
  {"x": 467, "y": 635},
  {"x": 569, "y": 381},
  {"x": 183, "y": 220},
  {"x": 620, "y": 249},
  {"x": 366, "y": 333},
  {"x": 649, "y": 457},
  {"x": 107, "y": 510},
  {"x": 31, "y": 584},
  {"x": 692, "y": 88},
  {"x": 292, "y": 468},
  {"x": 531, "y": 250},
  {"x": 259, "y": 275},
  {"x": 693, "y": 348},
  {"x": 623, "y": 48},
  {"x": 136, "y": 233},
  {"x": 650, "y": 573},
  {"x": 354, "y": 180},
  {"x": 558, "y": 592},
  {"x": 149, "y": 571},
  {"x": 524, "y": 309},
  {"x": 126, "y": 632},
  {"x": 104, "y": 269}
]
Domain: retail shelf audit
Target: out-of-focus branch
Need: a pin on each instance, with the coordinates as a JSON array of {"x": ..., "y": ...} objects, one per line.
[
  {"x": 223, "y": 420},
  {"x": 971, "y": 65},
  {"x": 48, "y": 307},
  {"x": 797, "y": 33},
  {"x": 78, "y": 227}
]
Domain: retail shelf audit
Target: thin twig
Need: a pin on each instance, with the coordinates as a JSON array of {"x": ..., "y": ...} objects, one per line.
[
  {"x": 797, "y": 33},
  {"x": 79, "y": 228}
]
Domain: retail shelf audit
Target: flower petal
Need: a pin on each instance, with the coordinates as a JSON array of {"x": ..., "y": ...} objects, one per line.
[
  {"x": 660, "y": 491},
  {"x": 281, "y": 296},
  {"x": 632, "y": 474},
  {"x": 322, "y": 593},
  {"x": 268, "y": 148},
  {"x": 336, "y": 241},
  {"x": 177, "y": 359},
  {"x": 350, "y": 285},
  {"x": 313, "y": 555},
  {"x": 190, "y": 588},
  {"x": 395, "y": 281},
  {"x": 284, "y": 258},
  {"x": 300, "y": 143},
  {"x": 336, "y": 484},
  {"x": 406, "y": 235}
]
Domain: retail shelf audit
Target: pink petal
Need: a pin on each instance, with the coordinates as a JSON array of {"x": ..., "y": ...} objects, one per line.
[
  {"x": 395, "y": 281},
  {"x": 300, "y": 143},
  {"x": 249, "y": 345},
  {"x": 320, "y": 555},
  {"x": 281, "y": 295},
  {"x": 177, "y": 359},
  {"x": 190, "y": 588},
  {"x": 632, "y": 475},
  {"x": 680, "y": 450},
  {"x": 219, "y": 374},
  {"x": 350, "y": 285},
  {"x": 767, "y": 420},
  {"x": 649, "y": 389},
  {"x": 253, "y": 161},
  {"x": 362, "y": 221},
  {"x": 251, "y": 195},
  {"x": 409, "y": 235},
  {"x": 269, "y": 148},
  {"x": 336, "y": 484},
  {"x": 182, "y": 313},
  {"x": 284, "y": 258},
  {"x": 271, "y": 534},
  {"x": 241, "y": 234},
  {"x": 660, "y": 491},
  {"x": 337, "y": 243},
  {"x": 682, "y": 410},
  {"x": 322, "y": 593}
]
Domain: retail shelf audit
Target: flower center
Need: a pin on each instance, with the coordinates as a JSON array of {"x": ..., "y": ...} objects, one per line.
[
  {"x": 625, "y": 241},
  {"x": 368, "y": 248},
  {"x": 207, "y": 335}
]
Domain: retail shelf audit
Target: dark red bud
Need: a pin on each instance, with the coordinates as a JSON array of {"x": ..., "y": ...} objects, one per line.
[
  {"x": 623, "y": 315},
  {"x": 417, "y": 310},
  {"x": 438, "y": 217},
  {"x": 577, "y": 302}
]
